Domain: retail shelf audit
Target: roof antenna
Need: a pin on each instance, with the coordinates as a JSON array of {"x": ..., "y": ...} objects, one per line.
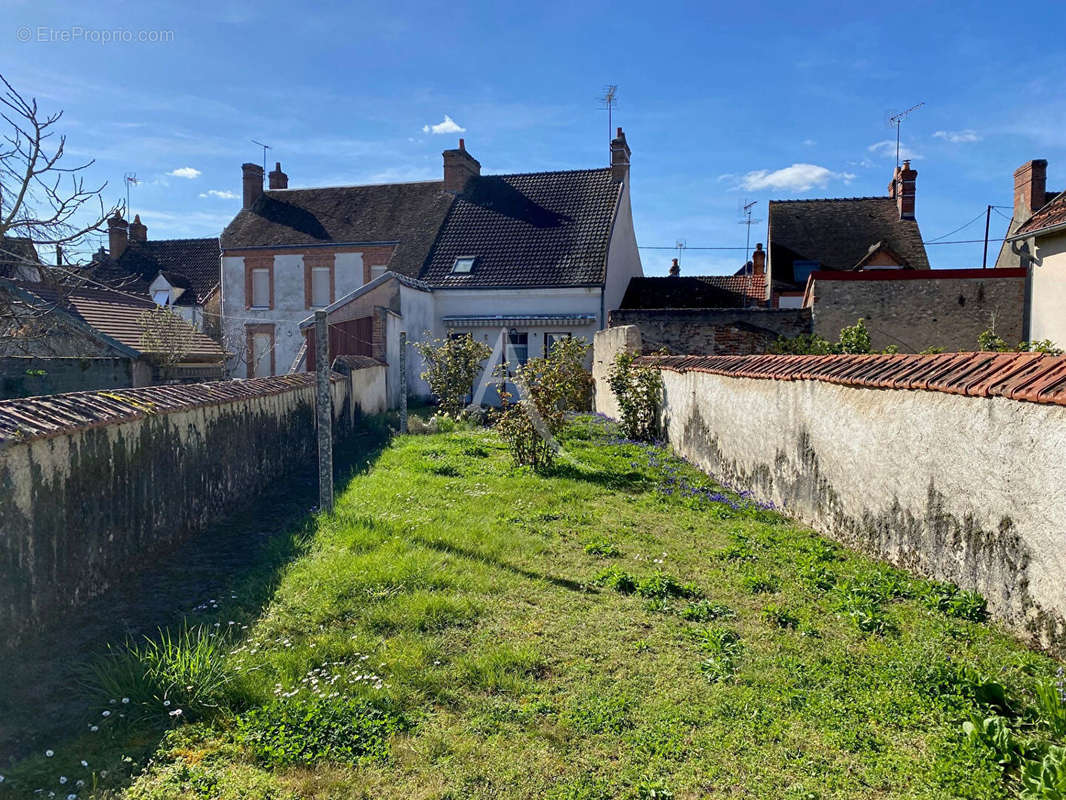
[
  {"x": 130, "y": 178},
  {"x": 609, "y": 101},
  {"x": 265, "y": 148},
  {"x": 897, "y": 120},
  {"x": 680, "y": 244}
]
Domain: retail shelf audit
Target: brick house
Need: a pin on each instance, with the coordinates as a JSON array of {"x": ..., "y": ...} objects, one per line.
[
  {"x": 181, "y": 274},
  {"x": 851, "y": 234},
  {"x": 536, "y": 255}
]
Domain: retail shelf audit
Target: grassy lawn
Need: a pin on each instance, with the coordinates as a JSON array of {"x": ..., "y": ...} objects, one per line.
[{"x": 462, "y": 628}]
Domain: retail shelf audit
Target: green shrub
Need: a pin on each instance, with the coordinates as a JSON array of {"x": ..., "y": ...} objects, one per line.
[
  {"x": 1045, "y": 778},
  {"x": 724, "y": 649},
  {"x": 761, "y": 584},
  {"x": 451, "y": 367},
  {"x": 638, "y": 392},
  {"x": 181, "y": 674},
  {"x": 306, "y": 729},
  {"x": 617, "y": 579},
  {"x": 660, "y": 585},
  {"x": 781, "y": 617}
]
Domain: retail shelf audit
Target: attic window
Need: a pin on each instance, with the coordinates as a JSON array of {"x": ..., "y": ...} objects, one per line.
[
  {"x": 161, "y": 297},
  {"x": 464, "y": 264}
]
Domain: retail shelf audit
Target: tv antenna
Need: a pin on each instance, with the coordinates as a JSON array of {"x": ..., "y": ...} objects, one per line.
[
  {"x": 265, "y": 148},
  {"x": 609, "y": 101},
  {"x": 680, "y": 244},
  {"x": 897, "y": 120},
  {"x": 130, "y": 179},
  {"x": 746, "y": 211}
]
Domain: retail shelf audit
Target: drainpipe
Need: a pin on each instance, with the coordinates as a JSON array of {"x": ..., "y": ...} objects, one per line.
[{"x": 603, "y": 307}]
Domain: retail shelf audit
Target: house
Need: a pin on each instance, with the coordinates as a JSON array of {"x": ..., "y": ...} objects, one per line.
[
  {"x": 709, "y": 314},
  {"x": 538, "y": 255},
  {"x": 18, "y": 259},
  {"x": 63, "y": 339},
  {"x": 180, "y": 274},
  {"x": 849, "y": 234},
  {"x": 1037, "y": 239}
]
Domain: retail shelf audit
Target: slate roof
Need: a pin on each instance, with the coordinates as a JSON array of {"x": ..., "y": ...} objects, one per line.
[
  {"x": 408, "y": 214},
  {"x": 696, "y": 291},
  {"x": 197, "y": 260},
  {"x": 1051, "y": 215},
  {"x": 118, "y": 316},
  {"x": 15, "y": 251},
  {"x": 533, "y": 229},
  {"x": 838, "y": 233}
]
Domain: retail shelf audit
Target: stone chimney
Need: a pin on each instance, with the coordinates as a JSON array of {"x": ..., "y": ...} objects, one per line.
[
  {"x": 278, "y": 179},
  {"x": 117, "y": 235},
  {"x": 620, "y": 153},
  {"x": 1030, "y": 188},
  {"x": 675, "y": 268},
  {"x": 459, "y": 168},
  {"x": 758, "y": 260},
  {"x": 252, "y": 176},
  {"x": 902, "y": 189},
  {"x": 138, "y": 231}
]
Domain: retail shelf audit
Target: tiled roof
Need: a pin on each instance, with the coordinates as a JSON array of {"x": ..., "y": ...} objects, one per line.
[
  {"x": 1031, "y": 377},
  {"x": 118, "y": 316},
  {"x": 1051, "y": 215},
  {"x": 528, "y": 230},
  {"x": 695, "y": 291},
  {"x": 838, "y": 233},
  {"x": 56, "y": 414},
  {"x": 407, "y": 214},
  {"x": 198, "y": 260}
]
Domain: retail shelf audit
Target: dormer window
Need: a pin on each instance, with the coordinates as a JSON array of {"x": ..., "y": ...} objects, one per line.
[
  {"x": 464, "y": 265},
  {"x": 161, "y": 297}
]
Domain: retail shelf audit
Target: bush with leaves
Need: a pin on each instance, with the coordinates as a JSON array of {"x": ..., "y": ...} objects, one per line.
[
  {"x": 549, "y": 387},
  {"x": 853, "y": 339},
  {"x": 988, "y": 340},
  {"x": 451, "y": 367},
  {"x": 638, "y": 391}
]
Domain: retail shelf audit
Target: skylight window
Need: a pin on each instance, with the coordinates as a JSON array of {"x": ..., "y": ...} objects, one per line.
[{"x": 464, "y": 264}]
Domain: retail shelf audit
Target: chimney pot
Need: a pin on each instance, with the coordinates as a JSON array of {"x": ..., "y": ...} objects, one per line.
[
  {"x": 138, "y": 231},
  {"x": 620, "y": 153},
  {"x": 459, "y": 168},
  {"x": 1030, "y": 189},
  {"x": 675, "y": 269},
  {"x": 252, "y": 181},
  {"x": 902, "y": 189},
  {"x": 117, "y": 235},
  {"x": 278, "y": 179}
]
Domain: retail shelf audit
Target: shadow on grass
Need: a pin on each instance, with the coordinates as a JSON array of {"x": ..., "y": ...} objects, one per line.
[
  {"x": 629, "y": 481},
  {"x": 492, "y": 561},
  {"x": 228, "y": 572}
]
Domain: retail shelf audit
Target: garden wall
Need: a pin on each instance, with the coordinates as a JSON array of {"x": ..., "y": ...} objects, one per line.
[
  {"x": 92, "y": 484},
  {"x": 714, "y": 331},
  {"x": 950, "y": 466}
]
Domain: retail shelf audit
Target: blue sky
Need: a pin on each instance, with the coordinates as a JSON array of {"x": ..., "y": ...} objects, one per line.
[{"x": 721, "y": 102}]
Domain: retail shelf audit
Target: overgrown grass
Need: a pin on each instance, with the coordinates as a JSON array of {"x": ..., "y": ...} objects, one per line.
[{"x": 453, "y": 631}]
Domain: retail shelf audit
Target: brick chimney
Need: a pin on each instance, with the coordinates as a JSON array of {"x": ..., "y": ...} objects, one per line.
[
  {"x": 277, "y": 178},
  {"x": 1030, "y": 188},
  {"x": 459, "y": 168},
  {"x": 117, "y": 235},
  {"x": 620, "y": 153},
  {"x": 902, "y": 189},
  {"x": 675, "y": 268},
  {"x": 758, "y": 260},
  {"x": 252, "y": 178},
  {"x": 138, "y": 231}
]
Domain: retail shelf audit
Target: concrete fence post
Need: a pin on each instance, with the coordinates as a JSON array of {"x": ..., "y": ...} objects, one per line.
[
  {"x": 324, "y": 413},
  {"x": 403, "y": 381}
]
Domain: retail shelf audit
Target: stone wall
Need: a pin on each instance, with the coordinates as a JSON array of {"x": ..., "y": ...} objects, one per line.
[
  {"x": 607, "y": 344},
  {"x": 962, "y": 487},
  {"x": 914, "y": 310},
  {"x": 94, "y": 484},
  {"x": 24, "y": 376},
  {"x": 724, "y": 331}
]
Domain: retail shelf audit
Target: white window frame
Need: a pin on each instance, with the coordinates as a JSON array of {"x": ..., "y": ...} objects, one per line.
[{"x": 464, "y": 265}]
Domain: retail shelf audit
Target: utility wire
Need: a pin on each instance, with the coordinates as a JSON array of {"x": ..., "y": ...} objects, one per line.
[{"x": 967, "y": 225}]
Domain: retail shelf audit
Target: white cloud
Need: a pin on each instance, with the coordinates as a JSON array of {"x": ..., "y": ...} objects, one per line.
[
  {"x": 887, "y": 149},
  {"x": 448, "y": 126},
  {"x": 797, "y": 178},
  {"x": 809, "y": 142},
  {"x": 220, "y": 194},
  {"x": 958, "y": 137},
  {"x": 185, "y": 172}
]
